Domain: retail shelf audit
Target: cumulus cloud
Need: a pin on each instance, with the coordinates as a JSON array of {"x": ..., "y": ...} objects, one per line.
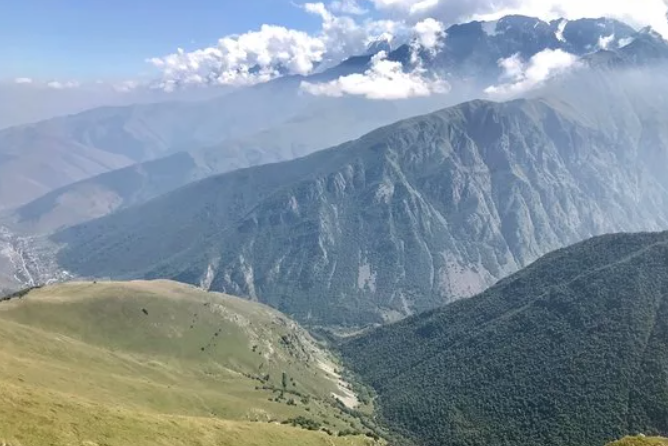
[
  {"x": 385, "y": 79},
  {"x": 410, "y": 6},
  {"x": 126, "y": 86},
  {"x": 347, "y": 7},
  {"x": 605, "y": 41},
  {"x": 522, "y": 76},
  {"x": 58, "y": 85},
  {"x": 343, "y": 36},
  {"x": 259, "y": 56},
  {"x": 23, "y": 80},
  {"x": 429, "y": 34},
  {"x": 244, "y": 59}
]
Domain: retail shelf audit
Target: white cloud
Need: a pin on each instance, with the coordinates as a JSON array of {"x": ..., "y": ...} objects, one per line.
[
  {"x": 57, "y": 85},
  {"x": 259, "y": 56},
  {"x": 525, "y": 76},
  {"x": 347, "y": 7},
  {"x": 244, "y": 59},
  {"x": 604, "y": 42},
  {"x": 410, "y": 6},
  {"x": 513, "y": 67},
  {"x": 429, "y": 33},
  {"x": 385, "y": 79},
  {"x": 23, "y": 80},
  {"x": 560, "y": 30},
  {"x": 125, "y": 86},
  {"x": 343, "y": 36},
  {"x": 626, "y": 41}
]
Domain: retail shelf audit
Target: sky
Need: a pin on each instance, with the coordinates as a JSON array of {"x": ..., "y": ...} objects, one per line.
[
  {"x": 66, "y": 43},
  {"x": 90, "y": 39}
]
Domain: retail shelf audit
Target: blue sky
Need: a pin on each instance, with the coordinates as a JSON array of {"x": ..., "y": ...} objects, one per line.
[{"x": 90, "y": 39}]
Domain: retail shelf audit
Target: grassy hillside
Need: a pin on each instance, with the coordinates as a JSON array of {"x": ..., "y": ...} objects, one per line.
[
  {"x": 159, "y": 363},
  {"x": 572, "y": 350}
]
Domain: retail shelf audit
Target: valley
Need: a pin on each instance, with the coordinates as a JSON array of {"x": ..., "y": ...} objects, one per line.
[{"x": 345, "y": 223}]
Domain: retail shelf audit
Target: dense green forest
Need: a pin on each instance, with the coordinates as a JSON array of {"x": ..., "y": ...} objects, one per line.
[{"x": 572, "y": 350}]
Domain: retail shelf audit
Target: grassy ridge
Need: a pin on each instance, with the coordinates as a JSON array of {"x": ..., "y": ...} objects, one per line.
[{"x": 159, "y": 363}]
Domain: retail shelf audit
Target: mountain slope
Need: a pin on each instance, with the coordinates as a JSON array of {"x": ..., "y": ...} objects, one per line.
[
  {"x": 83, "y": 145},
  {"x": 406, "y": 218},
  {"x": 321, "y": 125},
  {"x": 569, "y": 351},
  {"x": 109, "y": 138},
  {"x": 160, "y": 363}
]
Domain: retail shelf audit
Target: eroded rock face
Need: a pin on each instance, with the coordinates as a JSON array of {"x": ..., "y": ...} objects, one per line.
[{"x": 431, "y": 219}]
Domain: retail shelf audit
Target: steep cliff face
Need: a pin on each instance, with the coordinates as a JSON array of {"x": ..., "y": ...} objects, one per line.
[
  {"x": 407, "y": 218},
  {"x": 427, "y": 218}
]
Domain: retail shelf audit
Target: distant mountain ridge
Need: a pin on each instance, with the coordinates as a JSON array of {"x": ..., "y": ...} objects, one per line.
[
  {"x": 470, "y": 49},
  {"x": 107, "y": 139},
  {"x": 321, "y": 125}
]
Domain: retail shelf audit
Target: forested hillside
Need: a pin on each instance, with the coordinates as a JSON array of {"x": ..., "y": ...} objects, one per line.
[{"x": 572, "y": 350}]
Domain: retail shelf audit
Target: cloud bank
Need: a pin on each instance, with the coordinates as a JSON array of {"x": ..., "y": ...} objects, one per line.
[
  {"x": 523, "y": 76},
  {"x": 347, "y": 7},
  {"x": 385, "y": 79},
  {"x": 246, "y": 59},
  {"x": 348, "y": 27}
]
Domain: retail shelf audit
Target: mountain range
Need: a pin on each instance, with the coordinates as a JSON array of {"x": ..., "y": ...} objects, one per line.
[
  {"x": 319, "y": 125},
  {"x": 410, "y": 216},
  {"x": 421, "y": 241},
  {"x": 402, "y": 220},
  {"x": 254, "y": 125},
  {"x": 108, "y": 138}
]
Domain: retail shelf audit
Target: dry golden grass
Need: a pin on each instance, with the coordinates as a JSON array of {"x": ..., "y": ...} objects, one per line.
[{"x": 82, "y": 364}]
